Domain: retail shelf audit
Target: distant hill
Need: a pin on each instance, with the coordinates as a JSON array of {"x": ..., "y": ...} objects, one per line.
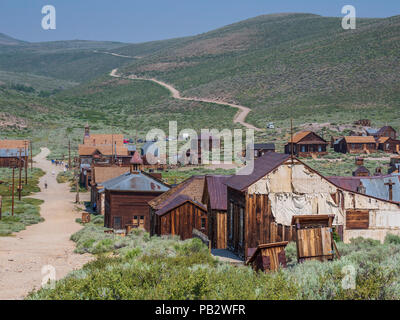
[
  {"x": 75, "y": 60},
  {"x": 9, "y": 41},
  {"x": 284, "y": 65}
]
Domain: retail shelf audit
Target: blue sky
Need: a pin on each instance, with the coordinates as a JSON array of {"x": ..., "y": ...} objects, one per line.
[{"x": 146, "y": 20}]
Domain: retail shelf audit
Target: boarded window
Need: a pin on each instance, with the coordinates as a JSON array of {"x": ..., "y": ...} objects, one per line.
[{"x": 357, "y": 219}]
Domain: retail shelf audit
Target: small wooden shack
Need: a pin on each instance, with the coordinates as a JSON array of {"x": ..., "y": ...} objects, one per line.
[
  {"x": 306, "y": 144},
  {"x": 180, "y": 217},
  {"x": 260, "y": 149},
  {"x": 314, "y": 237},
  {"x": 386, "y": 131},
  {"x": 268, "y": 257},
  {"x": 361, "y": 171},
  {"x": 388, "y": 145},
  {"x": 12, "y": 150}
]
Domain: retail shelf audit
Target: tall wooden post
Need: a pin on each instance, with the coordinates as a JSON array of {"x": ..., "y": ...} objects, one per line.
[
  {"x": 12, "y": 192},
  {"x": 31, "y": 155},
  {"x": 26, "y": 162},
  {"x": 291, "y": 140},
  {"x": 20, "y": 175},
  {"x": 69, "y": 154}
]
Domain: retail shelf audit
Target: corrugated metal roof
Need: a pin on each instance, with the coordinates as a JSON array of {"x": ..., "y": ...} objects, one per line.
[
  {"x": 178, "y": 201},
  {"x": 375, "y": 186},
  {"x": 138, "y": 181},
  {"x": 217, "y": 191},
  {"x": 262, "y": 166},
  {"x": 11, "y": 153},
  {"x": 150, "y": 147},
  {"x": 371, "y": 131}
]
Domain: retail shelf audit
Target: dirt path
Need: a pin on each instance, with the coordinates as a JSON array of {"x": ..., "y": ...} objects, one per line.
[
  {"x": 240, "y": 117},
  {"x": 23, "y": 255}
]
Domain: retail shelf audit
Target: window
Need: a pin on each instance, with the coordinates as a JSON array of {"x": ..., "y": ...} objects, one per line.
[
  {"x": 203, "y": 223},
  {"x": 303, "y": 148},
  {"x": 319, "y": 148},
  {"x": 241, "y": 227}
]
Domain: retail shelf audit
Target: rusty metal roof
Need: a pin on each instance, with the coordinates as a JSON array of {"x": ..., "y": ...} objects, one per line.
[
  {"x": 178, "y": 201},
  {"x": 359, "y": 139},
  {"x": 217, "y": 191},
  {"x": 137, "y": 181},
  {"x": 262, "y": 166},
  {"x": 105, "y": 173},
  {"x": 11, "y": 153}
]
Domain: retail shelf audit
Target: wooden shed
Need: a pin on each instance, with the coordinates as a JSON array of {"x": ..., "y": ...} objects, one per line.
[
  {"x": 268, "y": 257},
  {"x": 215, "y": 197},
  {"x": 314, "y": 237},
  {"x": 180, "y": 217},
  {"x": 388, "y": 145},
  {"x": 12, "y": 150}
]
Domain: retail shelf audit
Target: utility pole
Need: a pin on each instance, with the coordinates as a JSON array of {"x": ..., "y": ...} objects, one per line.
[
  {"x": 69, "y": 154},
  {"x": 77, "y": 184},
  {"x": 26, "y": 161},
  {"x": 20, "y": 174},
  {"x": 12, "y": 192},
  {"x": 31, "y": 156},
  {"x": 291, "y": 139}
]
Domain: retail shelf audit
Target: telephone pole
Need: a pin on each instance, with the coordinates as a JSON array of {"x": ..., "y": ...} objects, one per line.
[
  {"x": 291, "y": 139},
  {"x": 31, "y": 147},
  {"x": 20, "y": 174},
  {"x": 69, "y": 154},
  {"x": 12, "y": 192},
  {"x": 26, "y": 161}
]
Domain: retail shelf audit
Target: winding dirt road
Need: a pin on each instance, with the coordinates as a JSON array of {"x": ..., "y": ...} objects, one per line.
[
  {"x": 240, "y": 117},
  {"x": 23, "y": 255}
]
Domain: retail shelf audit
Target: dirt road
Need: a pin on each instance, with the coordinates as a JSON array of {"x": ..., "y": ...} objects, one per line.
[
  {"x": 23, "y": 255},
  {"x": 240, "y": 117}
]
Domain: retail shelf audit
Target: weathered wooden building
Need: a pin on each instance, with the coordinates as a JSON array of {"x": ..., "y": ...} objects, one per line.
[
  {"x": 261, "y": 204},
  {"x": 388, "y": 145},
  {"x": 356, "y": 144},
  {"x": 260, "y": 149},
  {"x": 180, "y": 216},
  {"x": 127, "y": 197},
  {"x": 268, "y": 257},
  {"x": 306, "y": 144},
  {"x": 192, "y": 188},
  {"x": 215, "y": 198},
  {"x": 361, "y": 171},
  {"x": 386, "y": 131},
  {"x": 13, "y": 150}
]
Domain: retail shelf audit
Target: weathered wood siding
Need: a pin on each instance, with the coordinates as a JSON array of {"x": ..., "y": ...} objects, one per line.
[
  {"x": 217, "y": 226},
  {"x": 182, "y": 220},
  {"x": 127, "y": 205},
  {"x": 357, "y": 219}
]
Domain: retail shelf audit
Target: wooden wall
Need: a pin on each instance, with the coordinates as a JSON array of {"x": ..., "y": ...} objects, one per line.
[
  {"x": 259, "y": 223},
  {"x": 127, "y": 205},
  {"x": 182, "y": 220},
  {"x": 217, "y": 226}
]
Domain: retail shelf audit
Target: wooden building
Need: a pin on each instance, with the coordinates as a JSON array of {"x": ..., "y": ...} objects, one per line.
[
  {"x": 306, "y": 144},
  {"x": 356, "y": 144},
  {"x": 388, "y": 145},
  {"x": 127, "y": 197},
  {"x": 268, "y": 257},
  {"x": 261, "y": 204},
  {"x": 363, "y": 122},
  {"x": 386, "y": 131},
  {"x": 180, "y": 216},
  {"x": 13, "y": 150},
  {"x": 215, "y": 198},
  {"x": 361, "y": 171},
  {"x": 260, "y": 149},
  {"x": 100, "y": 175},
  {"x": 202, "y": 148},
  {"x": 192, "y": 188}
]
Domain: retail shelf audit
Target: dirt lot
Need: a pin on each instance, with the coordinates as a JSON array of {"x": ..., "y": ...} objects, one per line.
[{"x": 23, "y": 255}]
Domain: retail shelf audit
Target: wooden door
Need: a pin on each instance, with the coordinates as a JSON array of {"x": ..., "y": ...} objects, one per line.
[
  {"x": 117, "y": 223},
  {"x": 315, "y": 244}
]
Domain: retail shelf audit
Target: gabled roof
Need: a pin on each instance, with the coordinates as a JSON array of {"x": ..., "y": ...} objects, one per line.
[
  {"x": 372, "y": 131},
  {"x": 177, "y": 202},
  {"x": 384, "y": 128},
  {"x": 359, "y": 139},
  {"x": 382, "y": 139},
  {"x": 262, "y": 166},
  {"x": 361, "y": 169},
  {"x": 136, "y": 158},
  {"x": 192, "y": 187},
  {"x": 298, "y": 137},
  {"x": 217, "y": 191},
  {"x": 13, "y": 144},
  {"x": 138, "y": 181}
]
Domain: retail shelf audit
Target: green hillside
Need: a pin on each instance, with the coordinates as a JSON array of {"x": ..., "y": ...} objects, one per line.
[{"x": 300, "y": 65}]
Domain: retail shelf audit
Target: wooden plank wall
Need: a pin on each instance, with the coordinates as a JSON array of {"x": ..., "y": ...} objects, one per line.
[
  {"x": 314, "y": 244},
  {"x": 182, "y": 220},
  {"x": 219, "y": 229},
  {"x": 357, "y": 219}
]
